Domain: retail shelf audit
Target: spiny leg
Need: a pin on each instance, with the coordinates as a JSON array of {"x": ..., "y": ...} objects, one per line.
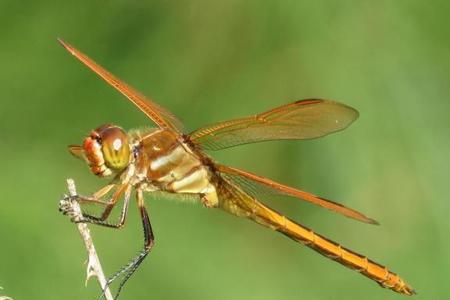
[
  {"x": 65, "y": 207},
  {"x": 95, "y": 198},
  {"x": 131, "y": 267},
  {"x": 87, "y": 218},
  {"x": 102, "y": 220},
  {"x": 108, "y": 204}
]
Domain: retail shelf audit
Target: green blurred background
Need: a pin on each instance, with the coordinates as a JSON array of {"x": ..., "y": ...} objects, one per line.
[{"x": 213, "y": 60}]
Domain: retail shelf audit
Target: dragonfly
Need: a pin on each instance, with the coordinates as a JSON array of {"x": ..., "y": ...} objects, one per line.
[{"x": 164, "y": 159}]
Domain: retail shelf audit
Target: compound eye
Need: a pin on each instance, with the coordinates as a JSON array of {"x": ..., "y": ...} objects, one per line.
[
  {"x": 115, "y": 147},
  {"x": 96, "y": 137}
]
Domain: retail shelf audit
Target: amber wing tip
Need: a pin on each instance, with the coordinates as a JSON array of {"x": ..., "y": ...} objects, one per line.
[
  {"x": 61, "y": 41},
  {"x": 372, "y": 221},
  {"x": 65, "y": 45}
]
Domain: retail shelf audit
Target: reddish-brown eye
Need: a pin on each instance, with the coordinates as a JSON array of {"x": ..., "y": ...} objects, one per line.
[{"x": 114, "y": 145}]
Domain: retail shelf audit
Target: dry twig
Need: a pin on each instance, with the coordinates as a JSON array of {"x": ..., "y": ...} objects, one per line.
[
  {"x": 71, "y": 207},
  {"x": 4, "y": 297}
]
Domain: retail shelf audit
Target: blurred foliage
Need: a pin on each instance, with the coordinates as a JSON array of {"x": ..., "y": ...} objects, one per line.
[{"x": 214, "y": 60}]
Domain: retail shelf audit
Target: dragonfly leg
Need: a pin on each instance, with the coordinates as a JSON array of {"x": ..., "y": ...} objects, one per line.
[
  {"x": 87, "y": 218},
  {"x": 94, "y": 198},
  {"x": 132, "y": 266},
  {"x": 109, "y": 206}
]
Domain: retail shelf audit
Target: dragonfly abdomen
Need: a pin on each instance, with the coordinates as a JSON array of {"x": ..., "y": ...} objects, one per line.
[
  {"x": 338, "y": 253},
  {"x": 240, "y": 203}
]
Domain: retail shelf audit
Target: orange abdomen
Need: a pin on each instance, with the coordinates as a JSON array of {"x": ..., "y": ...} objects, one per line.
[{"x": 239, "y": 203}]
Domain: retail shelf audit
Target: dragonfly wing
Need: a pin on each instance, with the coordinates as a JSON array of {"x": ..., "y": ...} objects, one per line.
[
  {"x": 258, "y": 187},
  {"x": 236, "y": 201},
  {"x": 159, "y": 115},
  {"x": 304, "y": 119}
]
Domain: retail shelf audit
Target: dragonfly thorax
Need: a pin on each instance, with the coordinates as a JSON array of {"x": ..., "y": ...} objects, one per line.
[
  {"x": 167, "y": 163},
  {"x": 107, "y": 150}
]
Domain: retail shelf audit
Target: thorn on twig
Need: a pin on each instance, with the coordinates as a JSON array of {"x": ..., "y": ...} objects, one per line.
[{"x": 69, "y": 206}]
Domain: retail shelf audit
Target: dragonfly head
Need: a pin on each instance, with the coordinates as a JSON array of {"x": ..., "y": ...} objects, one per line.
[{"x": 107, "y": 150}]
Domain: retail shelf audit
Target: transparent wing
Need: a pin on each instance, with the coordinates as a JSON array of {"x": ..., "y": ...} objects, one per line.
[
  {"x": 260, "y": 188},
  {"x": 159, "y": 115},
  {"x": 304, "y": 119}
]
